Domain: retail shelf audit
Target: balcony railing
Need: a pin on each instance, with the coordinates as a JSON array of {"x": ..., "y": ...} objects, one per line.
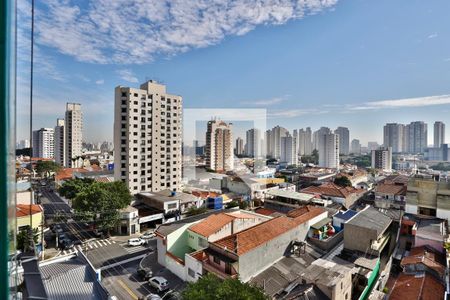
[{"x": 212, "y": 269}]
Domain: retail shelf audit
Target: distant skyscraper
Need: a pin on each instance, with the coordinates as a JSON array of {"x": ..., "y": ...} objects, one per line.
[
  {"x": 288, "y": 150},
  {"x": 147, "y": 138},
  {"x": 219, "y": 146},
  {"x": 328, "y": 150},
  {"x": 253, "y": 142},
  {"x": 317, "y": 134},
  {"x": 393, "y": 136},
  {"x": 44, "y": 143},
  {"x": 73, "y": 136},
  {"x": 239, "y": 149},
  {"x": 356, "y": 147},
  {"x": 274, "y": 141},
  {"x": 344, "y": 140},
  {"x": 295, "y": 135},
  {"x": 372, "y": 146},
  {"x": 59, "y": 142},
  {"x": 308, "y": 141},
  {"x": 439, "y": 134},
  {"x": 417, "y": 137},
  {"x": 23, "y": 144},
  {"x": 382, "y": 159}
]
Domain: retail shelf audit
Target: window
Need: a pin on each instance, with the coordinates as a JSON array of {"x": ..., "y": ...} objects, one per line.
[
  {"x": 172, "y": 206},
  {"x": 216, "y": 260},
  {"x": 191, "y": 272}
]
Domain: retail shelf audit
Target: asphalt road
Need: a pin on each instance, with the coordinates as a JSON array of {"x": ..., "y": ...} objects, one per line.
[
  {"x": 124, "y": 282},
  {"x": 52, "y": 204}
]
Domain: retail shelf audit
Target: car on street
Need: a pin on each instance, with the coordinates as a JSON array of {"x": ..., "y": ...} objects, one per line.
[
  {"x": 151, "y": 297},
  {"x": 57, "y": 229},
  {"x": 148, "y": 235},
  {"x": 144, "y": 273},
  {"x": 136, "y": 242},
  {"x": 67, "y": 244},
  {"x": 62, "y": 236},
  {"x": 159, "y": 283}
]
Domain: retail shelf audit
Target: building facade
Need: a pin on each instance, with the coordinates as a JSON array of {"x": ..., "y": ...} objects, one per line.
[
  {"x": 329, "y": 150},
  {"x": 239, "y": 148},
  {"x": 417, "y": 134},
  {"x": 73, "y": 129},
  {"x": 147, "y": 138},
  {"x": 382, "y": 159},
  {"x": 219, "y": 146},
  {"x": 393, "y": 136},
  {"x": 253, "y": 143},
  {"x": 439, "y": 134},
  {"x": 273, "y": 141},
  {"x": 356, "y": 147},
  {"x": 59, "y": 142},
  {"x": 44, "y": 143},
  {"x": 289, "y": 150},
  {"x": 344, "y": 140}
]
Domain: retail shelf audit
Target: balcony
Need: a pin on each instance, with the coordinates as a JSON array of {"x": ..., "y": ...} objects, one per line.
[
  {"x": 379, "y": 244},
  {"x": 207, "y": 266}
]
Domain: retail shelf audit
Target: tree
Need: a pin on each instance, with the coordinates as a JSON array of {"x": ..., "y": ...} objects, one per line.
[
  {"x": 193, "y": 210},
  {"x": 100, "y": 202},
  {"x": 71, "y": 188},
  {"x": 232, "y": 204},
  {"x": 211, "y": 287},
  {"x": 342, "y": 181},
  {"x": 44, "y": 168},
  {"x": 23, "y": 239}
]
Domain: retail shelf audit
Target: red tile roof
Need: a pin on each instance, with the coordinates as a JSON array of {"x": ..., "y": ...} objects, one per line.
[
  {"x": 23, "y": 210},
  {"x": 332, "y": 190},
  {"x": 67, "y": 173},
  {"x": 248, "y": 239},
  {"x": 412, "y": 287},
  {"x": 264, "y": 211},
  {"x": 421, "y": 255},
  {"x": 212, "y": 224},
  {"x": 391, "y": 189}
]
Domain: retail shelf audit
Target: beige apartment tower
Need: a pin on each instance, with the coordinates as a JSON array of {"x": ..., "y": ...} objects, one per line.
[
  {"x": 147, "y": 138},
  {"x": 219, "y": 146},
  {"x": 73, "y": 130},
  {"x": 59, "y": 142}
]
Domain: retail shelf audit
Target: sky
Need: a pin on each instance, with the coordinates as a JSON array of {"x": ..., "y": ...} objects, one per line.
[{"x": 357, "y": 63}]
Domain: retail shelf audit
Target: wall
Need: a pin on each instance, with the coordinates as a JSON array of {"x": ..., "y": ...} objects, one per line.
[
  {"x": 358, "y": 238},
  {"x": 25, "y": 221},
  {"x": 175, "y": 267},
  {"x": 194, "y": 265},
  {"x": 161, "y": 250},
  {"x": 24, "y": 197},
  {"x": 252, "y": 262}
]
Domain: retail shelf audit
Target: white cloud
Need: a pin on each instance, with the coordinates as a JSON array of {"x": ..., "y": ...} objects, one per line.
[
  {"x": 265, "y": 102},
  {"x": 292, "y": 113},
  {"x": 100, "y": 81},
  {"x": 404, "y": 103},
  {"x": 127, "y": 75},
  {"x": 433, "y": 35},
  {"x": 130, "y": 32}
]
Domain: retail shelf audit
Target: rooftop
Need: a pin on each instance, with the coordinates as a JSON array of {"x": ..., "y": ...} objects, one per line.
[
  {"x": 23, "y": 210},
  {"x": 303, "y": 197},
  {"x": 425, "y": 256},
  {"x": 324, "y": 272},
  {"x": 371, "y": 218},
  {"x": 391, "y": 189},
  {"x": 332, "y": 190},
  {"x": 166, "y": 196},
  {"x": 212, "y": 224},
  {"x": 420, "y": 287},
  {"x": 345, "y": 215}
]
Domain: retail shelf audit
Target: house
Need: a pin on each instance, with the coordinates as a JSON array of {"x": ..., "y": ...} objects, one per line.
[
  {"x": 129, "y": 221},
  {"x": 355, "y": 176},
  {"x": 346, "y": 196},
  {"x": 389, "y": 195},
  {"x": 367, "y": 232},
  {"x": 284, "y": 201},
  {"x": 419, "y": 231},
  {"x": 24, "y": 193},
  {"x": 23, "y": 212},
  {"x": 244, "y": 254},
  {"x": 417, "y": 287},
  {"x": 424, "y": 259},
  {"x": 343, "y": 217}
]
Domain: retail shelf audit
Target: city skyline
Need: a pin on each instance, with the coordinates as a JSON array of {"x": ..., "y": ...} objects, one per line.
[{"x": 364, "y": 90}]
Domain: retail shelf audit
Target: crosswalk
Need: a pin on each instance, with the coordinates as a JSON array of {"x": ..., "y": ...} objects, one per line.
[{"x": 88, "y": 245}]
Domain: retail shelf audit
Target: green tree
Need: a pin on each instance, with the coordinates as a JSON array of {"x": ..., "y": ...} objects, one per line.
[
  {"x": 44, "y": 168},
  {"x": 193, "y": 210},
  {"x": 71, "y": 188},
  {"x": 211, "y": 287},
  {"x": 100, "y": 202},
  {"x": 232, "y": 204},
  {"x": 342, "y": 181},
  {"x": 23, "y": 239}
]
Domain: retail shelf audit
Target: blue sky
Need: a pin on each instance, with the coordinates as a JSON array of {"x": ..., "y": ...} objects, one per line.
[{"x": 355, "y": 63}]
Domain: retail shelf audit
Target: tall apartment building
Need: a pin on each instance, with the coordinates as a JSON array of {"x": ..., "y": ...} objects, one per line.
[
  {"x": 317, "y": 134},
  {"x": 439, "y": 134},
  {"x": 239, "y": 149},
  {"x": 22, "y": 144},
  {"x": 44, "y": 143},
  {"x": 344, "y": 140},
  {"x": 356, "y": 146},
  {"x": 273, "y": 141},
  {"x": 328, "y": 150},
  {"x": 382, "y": 159},
  {"x": 394, "y": 137},
  {"x": 219, "y": 146},
  {"x": 147, "y": 137},
  {"x": 59, "y": 142},
  {"x": 73, "y": 133},
  {"x": 253, "y": 142},
  {"x": 295, "y": 135},
  {"x": 372, "y": 146},
  {"x": 288, "y": 150},
  {"x": 417, "y": 137},
  {"x": 304, "y": 141}
]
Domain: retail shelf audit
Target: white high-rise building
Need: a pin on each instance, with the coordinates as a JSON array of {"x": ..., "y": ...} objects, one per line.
[
  {"x": 219, "y": 146},
  {"x": 439, "y": 134},
  {"x": 23, "y": 144},
  {"x": 344, "y": 140},
  {"x": 274, "y": 141},
  {"x": 394, "y": 137},
  {"x": 316, "y": 136},
  {"x": 328, "y": 150},
  {"x": 60, "y": 142},
  {"x": 382, "y": 159},
  {"x": 253, "y": 142},
  {"x": 295, "y": 135},
  {"x": 73, "y": 128},
  {"x": 308, "y": 141},
  {"x": 417, "y": 137},
  {"x": 372, "y": 146},
  {"x": 356, "y": 146},
  {"x": 44, "y": 143},
  {"x": 239, "y": 148},
  {"x": 288, "y": 150},
  {"x": 147, "y": 138}
]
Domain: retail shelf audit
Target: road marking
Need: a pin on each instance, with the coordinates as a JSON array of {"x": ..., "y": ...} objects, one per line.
[
  {"x": 126, "y": 288},
  {"x": 113, "y": 242},
  {"x": 104, "y": 242},
  {"x": 95, "y": 245},
  {"x": 90, "y": 246},
  {"x": 108, "y": 242}
]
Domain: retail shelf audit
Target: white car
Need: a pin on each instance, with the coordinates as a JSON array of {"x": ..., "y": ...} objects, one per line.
[
  {"x": 136, "y": 242},
  {"x": 159, "y": 283},
  {"x": 148, "y": 235}
]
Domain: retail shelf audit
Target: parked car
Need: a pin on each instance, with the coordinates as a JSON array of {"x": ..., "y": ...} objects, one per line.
[
  {"x": 57, "y": 228},
  {"x": 150, "y": 297},
  {"x": 148, "y": 235},
  {"x": 144, "y": 273},
  {"x": 67, "y": 244},
  {"x": 159, "y": 283},
  {"x": 61, "y": 236},
  {"x": 136, "y": 242}
]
